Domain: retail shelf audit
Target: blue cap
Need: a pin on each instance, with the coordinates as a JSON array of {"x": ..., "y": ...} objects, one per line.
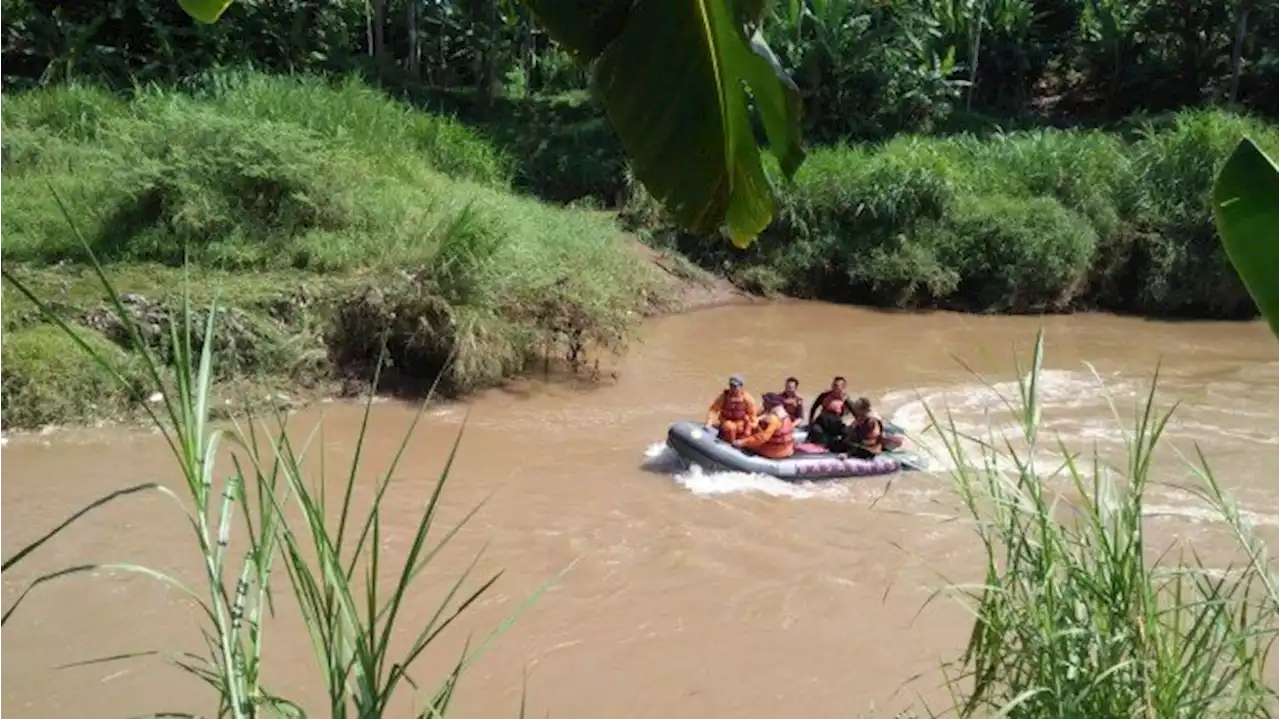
[{"x": 736, "y": 380}]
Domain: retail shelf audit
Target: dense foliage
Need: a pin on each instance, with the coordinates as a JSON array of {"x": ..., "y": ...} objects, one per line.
[
  {"x": 866, "y": 70},
  {"x": 309, "y": 182},
  {"x": 1013, "y": 155},
  {"x": 1032, "y": 221}
]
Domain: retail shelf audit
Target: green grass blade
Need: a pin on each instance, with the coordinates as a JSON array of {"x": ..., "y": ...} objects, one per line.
[{"x": 76, "y": 516}]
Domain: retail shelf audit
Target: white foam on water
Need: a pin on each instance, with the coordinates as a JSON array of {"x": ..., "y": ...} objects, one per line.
[
  {"x": 703, "y": 483},
  {"x": 978, "y": 411},
  {"x": 658, "y": 457},
  {"x": 1203, "y": 514},
  {"x": 661, "y": 458},
  {"x": 1203, "y": 431}
]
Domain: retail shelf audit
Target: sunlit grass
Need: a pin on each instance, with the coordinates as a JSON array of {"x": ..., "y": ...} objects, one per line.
[
  {"x": 1023, "y": 222},
  {"x": 395, "y": 221}
]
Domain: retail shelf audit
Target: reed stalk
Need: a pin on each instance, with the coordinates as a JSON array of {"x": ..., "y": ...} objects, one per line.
[{"x": 1079, "y": 613}]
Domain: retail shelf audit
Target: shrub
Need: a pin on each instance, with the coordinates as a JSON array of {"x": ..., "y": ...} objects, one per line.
[
  {"x": 182, "y": 177},
  {"x": 847, "y": 207},
  {"x": 1013, "y": 254},
  {"x": 1180, "y": 266},
  {"x": 365, "y": 120},
  {"x": 1038, "y": 220},
  {"x": 73, "y": 110},
  {"x": 49, "y": 379}
]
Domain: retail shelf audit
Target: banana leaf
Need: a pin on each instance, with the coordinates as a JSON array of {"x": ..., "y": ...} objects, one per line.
[
  {"x": 673, "y": 78},
  {"x": 1245, "y": 211}
]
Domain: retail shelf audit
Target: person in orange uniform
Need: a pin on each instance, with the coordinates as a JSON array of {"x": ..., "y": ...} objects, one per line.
[
  {"x": 733, "y": 412},
  {"x": 792, "y": 401},
  {"x": 773, "y": 436},
  {"x": 866, "y": 435}
]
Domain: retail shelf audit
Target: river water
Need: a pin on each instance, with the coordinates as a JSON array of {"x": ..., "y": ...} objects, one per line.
[{"x": 686, "y": 594}]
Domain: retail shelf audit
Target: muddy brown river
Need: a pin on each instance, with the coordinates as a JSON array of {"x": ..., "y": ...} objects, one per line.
[{"x": 686, "y": 594}]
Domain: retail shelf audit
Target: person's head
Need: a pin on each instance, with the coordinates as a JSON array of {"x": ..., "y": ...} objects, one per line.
[
  {"x": 837, "y": 384},
  {"x": 791, "y": 385},
  {"x": 771, "y": 401},
  {"x": 735, "y": 384},
  {"x": 861, "y": 407}
]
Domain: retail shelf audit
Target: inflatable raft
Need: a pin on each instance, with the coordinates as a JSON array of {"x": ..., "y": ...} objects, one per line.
[{"x": 700, "y": 445}]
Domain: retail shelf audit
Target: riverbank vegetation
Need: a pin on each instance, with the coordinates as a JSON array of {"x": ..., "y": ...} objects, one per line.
[
  {"x": 1033, "y": 221},
  {"x": 265, "y": 510},
  {"x": 364, "y": 168},
  {"x": 1080, "y": 613},
  {"x": 325, "y": 217}
]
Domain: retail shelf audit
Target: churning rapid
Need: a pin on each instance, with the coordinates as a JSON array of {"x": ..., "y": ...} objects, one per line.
[{"x": 687, "y": 594}]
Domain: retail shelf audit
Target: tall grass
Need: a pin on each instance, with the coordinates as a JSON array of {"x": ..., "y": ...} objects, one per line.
[
  {"x": 257, "y": 172},
  {"x": 245, "y": 172},
  {"x": 1080, "y": 613},
  {"x": 331, "y": 551},
  {"x": 1033, "y": 221}
]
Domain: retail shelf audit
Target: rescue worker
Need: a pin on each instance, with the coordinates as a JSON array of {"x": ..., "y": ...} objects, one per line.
[
  {"x": 826, "y": 415},
  {"x": 733, "y": 412},
  {"x": 865, "y": 438},
  {"x": 792, "y": 401},
  {"x": 773, "y": 436}
]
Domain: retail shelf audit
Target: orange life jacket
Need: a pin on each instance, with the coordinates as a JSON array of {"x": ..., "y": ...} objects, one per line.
[
  {"x": 784, "y": 437},
  {"x": 791, "y": 401},
  {"x": 733, "y": 408}
]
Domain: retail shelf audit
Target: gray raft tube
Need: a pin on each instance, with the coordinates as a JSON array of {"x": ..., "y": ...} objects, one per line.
[{"x": 700, "y": 445}]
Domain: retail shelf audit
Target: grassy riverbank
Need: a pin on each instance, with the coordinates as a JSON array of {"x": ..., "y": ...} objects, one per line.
[
  {"x": 1025, "y": 222},
  {"x": 326, "y": 214},
  {"x": 323, "y": 217}
]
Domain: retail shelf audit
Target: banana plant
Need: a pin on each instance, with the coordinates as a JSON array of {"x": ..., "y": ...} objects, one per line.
[
  {"x": 1245, "y": 212},
  {"x": 205, "y": 11},
  {"x": 673, "y": 80}
]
